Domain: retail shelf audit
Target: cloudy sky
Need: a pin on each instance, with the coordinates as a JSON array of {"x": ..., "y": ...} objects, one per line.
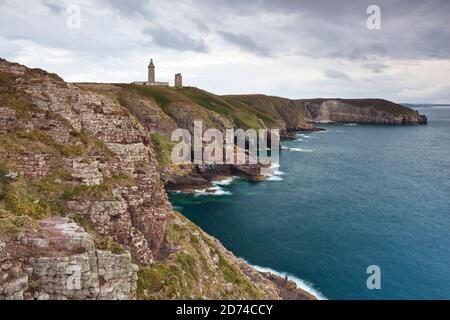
[{"x": 296, "y": 49}]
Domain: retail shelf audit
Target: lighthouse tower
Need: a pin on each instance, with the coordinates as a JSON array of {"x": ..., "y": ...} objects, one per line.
[{"x": 151, "y": 72}]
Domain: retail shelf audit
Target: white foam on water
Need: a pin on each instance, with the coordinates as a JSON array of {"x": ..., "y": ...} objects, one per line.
[
  {"x": 302, "y": 284},
  {"x": 350, "y": 124},
  {"x": 213, "y": 191},
  {"x": 224, "y": 182},
  {"x": 275, "y": 175},
  {"x": 296, "y": 149},
  {"x": 274, "y": 165},
  {"x": 274, "y": 178}
]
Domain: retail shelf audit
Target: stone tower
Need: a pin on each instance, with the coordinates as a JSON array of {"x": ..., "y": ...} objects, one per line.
[
  {"x": 151, "y": 72},
  {"x": 178, "y": 80}
]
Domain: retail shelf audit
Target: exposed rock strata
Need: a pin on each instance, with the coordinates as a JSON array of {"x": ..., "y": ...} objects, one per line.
[
  {"x": 369, "y": 111},
  {"x": 60, "y": 262},
  {"x": 71, "y": 151},
  {"x": 123, "y": 149}
]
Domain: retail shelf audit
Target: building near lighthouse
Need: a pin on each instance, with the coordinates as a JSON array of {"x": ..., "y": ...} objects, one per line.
[
  {"x": 151, "y": 81},
  {"x": 178, "y": 80}
]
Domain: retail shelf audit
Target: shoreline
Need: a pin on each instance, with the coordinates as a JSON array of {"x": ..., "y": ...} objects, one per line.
[
  {"x": 291, "y": 287},
  {"x": 301, "y": 284}
]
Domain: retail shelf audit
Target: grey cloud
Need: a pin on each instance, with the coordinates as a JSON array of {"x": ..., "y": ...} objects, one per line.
[
  {"x": 330, "y": 31},
  {"x": 375, "y": 67},
  {"x": 55, "y": 7},
  {"x": 131, "y": 8},
  {"x": 336, "y": 74},
  {"x": 245, "y": 43},
  {"x": 334, "y": 28},
  {"x": 174, "y": 39}
]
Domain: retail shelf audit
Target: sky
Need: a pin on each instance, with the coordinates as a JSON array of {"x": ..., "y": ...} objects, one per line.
[{"x": 294, "y": 49}]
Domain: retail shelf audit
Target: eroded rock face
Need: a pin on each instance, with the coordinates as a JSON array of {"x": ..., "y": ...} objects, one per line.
[
  {"x": 375, "y": 111},
  {"x": 113, "y": 145},
  {"x": 59, "y": 136},
  {"x": 60, "y": 262}
]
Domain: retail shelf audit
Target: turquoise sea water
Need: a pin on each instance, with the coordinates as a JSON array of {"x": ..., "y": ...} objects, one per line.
[{"x": 350, "y": 197}]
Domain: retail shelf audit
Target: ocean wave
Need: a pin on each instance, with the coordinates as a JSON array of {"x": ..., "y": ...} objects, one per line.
[
  {"x": 295, "y": 149},
  {"x": 274, "y": 165},
  {"x": 273, "y": 177},
  {"x": 213, "y": 191},
  {"x": 224, "y": 182},
  {"x": 302, "y": 284},
  {"x": 350, "y": 124}
]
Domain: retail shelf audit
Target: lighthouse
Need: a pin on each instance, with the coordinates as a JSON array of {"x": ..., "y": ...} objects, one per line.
[
  {"x": 151, "y": 72},
  {"x": 151, "y": 77}
]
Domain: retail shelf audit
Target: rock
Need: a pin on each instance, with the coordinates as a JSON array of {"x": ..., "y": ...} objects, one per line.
[
  {"x": 12, "y": 175},
  {"x": 64, "y": 264},
  {"x": 95, "y": 140},
  {"x": 375, "y": 111}
]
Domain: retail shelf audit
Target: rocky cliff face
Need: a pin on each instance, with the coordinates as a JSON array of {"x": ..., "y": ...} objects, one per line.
[
  {"x": 375, "y": 111},
  {"x": 287, "y": 115},
  {"x": 82, "y": 204},
  {"x": 101, "y": 157},
  {"x": 60, "y": 262}
]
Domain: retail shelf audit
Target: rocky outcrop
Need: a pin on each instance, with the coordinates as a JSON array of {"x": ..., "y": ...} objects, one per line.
[
  {"x": 75, "y": 151},
  {"x": 201, "y": 176},
  {"x": 86, "y": 140},
  {"x": 209, "y": 270},
  {"x": 60, "y": 262},
  {"x": 285, "y": 113},
  {"x": 369, "y": 111}
]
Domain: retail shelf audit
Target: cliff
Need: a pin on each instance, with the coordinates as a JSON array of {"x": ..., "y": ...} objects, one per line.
[
  {"x": 374, "y": 111},
  {"x": 84, "y": 212},
  {"x": 299, "y": 115},
  {"x": 83, "y": 209}
]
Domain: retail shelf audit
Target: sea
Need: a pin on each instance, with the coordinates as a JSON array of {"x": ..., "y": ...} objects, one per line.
[{"x": 341, "y": 201}]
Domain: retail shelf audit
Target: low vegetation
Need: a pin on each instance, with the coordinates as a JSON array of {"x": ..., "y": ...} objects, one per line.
[{"x": 194, "y": 263}]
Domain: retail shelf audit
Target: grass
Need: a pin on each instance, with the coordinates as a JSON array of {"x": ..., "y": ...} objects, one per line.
[
  {"x": 208, "y": 101},
  {"x": 189, "y": 271},
  {"x": 163, "y": 96},
  {"x": 163, "y": 148},
  {"x": 101, "y": 242},
  {"x": 38, "y": 141},
  {"x": 103, "y": 191},
  {"x": 241, "y": 116},
  {"x": 18, "y": 100}
]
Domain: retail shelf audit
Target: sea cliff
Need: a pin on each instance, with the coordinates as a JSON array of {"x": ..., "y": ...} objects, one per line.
[
  {"x": 83, "y": 209},
  {"x": 84, "y": 169}
]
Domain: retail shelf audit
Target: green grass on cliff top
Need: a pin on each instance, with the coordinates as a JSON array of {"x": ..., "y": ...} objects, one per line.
[
  {"x": 187, "y": 273},
  {"x": 240, "y": 114}
]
